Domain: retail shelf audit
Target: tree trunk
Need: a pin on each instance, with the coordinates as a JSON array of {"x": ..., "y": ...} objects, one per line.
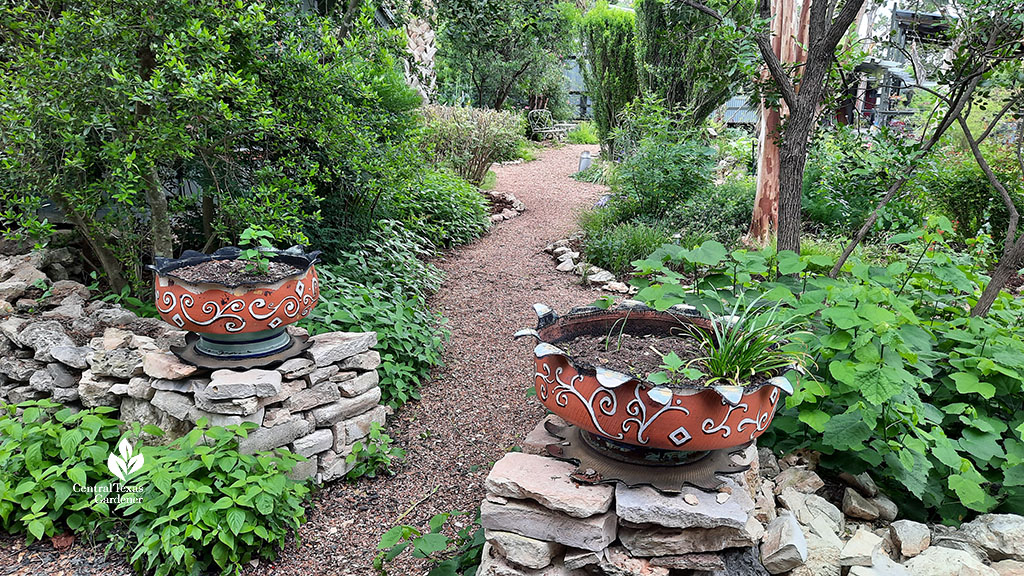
[
  {"x": 764, "y": 221},
  {"x": 163, "y": 238},
  {"x": 112, "y": 267},
  {"x": 1008, "y": 266}
]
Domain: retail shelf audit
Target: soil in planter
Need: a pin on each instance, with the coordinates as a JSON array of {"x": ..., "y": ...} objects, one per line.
[
  {"x": 233, "y": 272},
  {"x": 633, "y": 355}
]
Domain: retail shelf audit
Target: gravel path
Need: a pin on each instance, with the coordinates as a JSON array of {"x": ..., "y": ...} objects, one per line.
[{"x": 474, "y": 410}]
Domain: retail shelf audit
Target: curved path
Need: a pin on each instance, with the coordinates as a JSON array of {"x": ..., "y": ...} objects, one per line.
[
  {"x": 473, "y": 411},
  {"x": 476, "y": 407}
]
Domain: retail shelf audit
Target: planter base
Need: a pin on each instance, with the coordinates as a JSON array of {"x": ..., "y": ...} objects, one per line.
[
  {"x": 251, "y": 350},
  {"x": 603, "y": 461}
]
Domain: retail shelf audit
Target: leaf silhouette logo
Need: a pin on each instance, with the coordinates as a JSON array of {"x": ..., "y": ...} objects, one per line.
[{"x": 123, "y": 463}]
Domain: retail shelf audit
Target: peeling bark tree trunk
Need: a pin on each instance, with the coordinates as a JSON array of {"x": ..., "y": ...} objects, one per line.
[{"x": 788, "y": 47}]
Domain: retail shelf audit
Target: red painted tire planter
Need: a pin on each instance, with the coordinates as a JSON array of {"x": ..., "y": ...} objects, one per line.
[
  {"x": 625, "y": 408},
  {"x": 213, "y": 308}
]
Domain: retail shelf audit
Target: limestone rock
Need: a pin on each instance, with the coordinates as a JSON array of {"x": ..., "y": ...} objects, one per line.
[
  {"x": 739, "y": 562},
  {"x": 618, "y": 562},
  {"x": 345, "y": 408},
  {"x": 166, "y": 366},
  {"x": 862, "y": 482},
  {"x": 264, "y": 439},
  {"x": 235, "y": 406},
  {"x": 645, "y": 505},
  {"x": 858, "y": 551},
  {"x": 941, "y": 561},
  {"x": 535, "y": 521},
  {"x": 334, "y": 465},
  {"x": 177, "y": 405},
  {"x": 73, "y": 356},
  {"x": 546, "y": 481},
  {"x": 856, "y": 506},
  {"x": 11, "y": 290},
  {"x": 188, "y": 386},
  {"x": 42, "y": 336},
  {"x": 566, "y": 266},
  {"x": 659, "y": 541},
  {"x": 359, "y": 385},
  {"x": 1009, "y": 568},
  {"x": 910, "y": 538},
  {"x": 704, "y": 562},
  {"x": 296, "y": 367},
  {"x": 800, "y": 479},
  {"x": 1000, "y": 536},
  {"x": 575, "y": 559},
  {"x": 289, "y": 388},
  {"x": 214, "y": 419},
  {"x": 24, "y": 394},
  {"x": 320, "y": 374},
  {"x": 145, "y": 413},
  {"x": 121, "y": 363},
  {"x": 20, "y": 370},
  {"x": 784, "y": 546},
  {"x": 65, "y": 395},
  {"x": 303, "y": 470},
  {"x": 358, "y": 427},
  {"x": 227, "y": 384},
  {"x": 95, "y": 391},
  {"x": 887, "y": 509},
  {"x": 54, "y": 376},
  {"x": 539, "y": 437},
  {"x": 822, "y": 557},
  {"x": 523, "y": 551},
  {"x": 334, "y": 347},
  {"x": 313, "y": 443},
  {"x": 363, "y": 362},
  {"x": 318, "y": 395}
]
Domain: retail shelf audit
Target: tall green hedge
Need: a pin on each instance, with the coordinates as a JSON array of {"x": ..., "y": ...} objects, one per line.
[
  {"x": 689, "y": 60},
  {"x": 610, "y": 71}
]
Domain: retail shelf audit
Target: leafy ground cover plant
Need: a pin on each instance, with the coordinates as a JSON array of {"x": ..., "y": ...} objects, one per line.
[
  {"x": 905, "y": 381},
  {"x": 204, "y": 506},
  {"x": 409, "y": 335},
  {"x": 194, "y": 506},
  {"x": 44, "y": 453},
  {"x": 373, "y": 455},
  {"x": 440, "y": 206},
  {"x": 583, "y": 133},
  {"x": 448, "y": 556},
  {"x": 393, "y": 259}
]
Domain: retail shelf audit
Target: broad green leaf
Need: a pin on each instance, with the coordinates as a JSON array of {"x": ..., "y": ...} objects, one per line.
[
  {"x": 968, "y": 383},
  {"x": 816, "y": 419},
  {"x": 430, "y": 543},
  {"x": 235, "y": 519},
  {"x": 847, "y": 432}
]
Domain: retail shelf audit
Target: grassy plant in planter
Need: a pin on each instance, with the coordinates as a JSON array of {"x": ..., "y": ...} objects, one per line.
[
  {"x": 626, "y": 393},
  {"x": 739, "y": 348}
]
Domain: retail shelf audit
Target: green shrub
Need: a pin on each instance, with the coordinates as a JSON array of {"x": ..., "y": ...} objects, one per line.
[
  {"x": 469, "y": 140},
  {"x": 583, "y": 133},
  {"x": 393, "y": 259},
  {"x": 719, "y": 213},
  {"x": 609, "y": 68},
  {"x": 906, "y": 382},
  {"x": 847, "y": 173},
  {"x": 659, "y": 175},
  {"x": 409, "y": 335},
  {"x": 44, "y": 453},
  {"x": 439, "y": 206},
  {"x": 613, "y": 247},
  {"x": 953, "y": 185},
  {"x": 373, "y": 455},
  {"x": 203, "y": 506}
]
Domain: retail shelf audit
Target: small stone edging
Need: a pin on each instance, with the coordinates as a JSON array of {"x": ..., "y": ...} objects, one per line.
[
  {"x": 568, "y": 260},
  {"x": 768, "y": 520},
  {"x": 317, "y": 405},
  {"x": 510, "y": 205}
]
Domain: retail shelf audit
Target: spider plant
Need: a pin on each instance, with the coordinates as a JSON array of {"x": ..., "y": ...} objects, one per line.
[{"x": 748, "y": 341}]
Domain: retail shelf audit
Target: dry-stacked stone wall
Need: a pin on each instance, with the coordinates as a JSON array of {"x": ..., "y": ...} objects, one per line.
[
  {"x": 538, "y": 520},
  {"x": 57, "y": 344}
]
